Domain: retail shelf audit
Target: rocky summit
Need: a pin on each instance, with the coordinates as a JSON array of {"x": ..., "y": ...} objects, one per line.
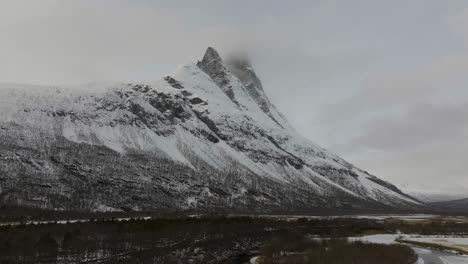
[{"x": 205, "y": 138}]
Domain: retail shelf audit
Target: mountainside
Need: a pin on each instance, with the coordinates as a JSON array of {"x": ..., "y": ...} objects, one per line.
[
  {"x": 205, "y": 137},
  {"x": 461, "y": 204}
]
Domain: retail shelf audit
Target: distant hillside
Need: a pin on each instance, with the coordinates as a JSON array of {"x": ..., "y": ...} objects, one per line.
[
  {"x": 433, "y": 197},
  {"x": 461, "y": 204}
]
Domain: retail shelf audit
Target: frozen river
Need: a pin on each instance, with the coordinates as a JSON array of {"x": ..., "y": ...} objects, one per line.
[{"x": 429, "y": 256}]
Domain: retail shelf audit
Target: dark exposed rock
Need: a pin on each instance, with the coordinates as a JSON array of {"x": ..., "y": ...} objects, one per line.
[
  {"x": 335, "y": 171},
  {"x": 239, "y": 65},
  {"x": 294, "y": 161},
  {"x": 213, "y": 65},
  {"x": 173, "y": 82},
  {"x": 197, "y": 100},
  {"x": 212, "y": 62},
  {"x": 209, "y": 136},
  {"x": 185, "y": 93},
  {"x": 210, "y": 124}
]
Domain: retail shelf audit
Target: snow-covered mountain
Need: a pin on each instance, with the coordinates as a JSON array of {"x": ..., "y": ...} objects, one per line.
[{"x": 205, "y": 137}]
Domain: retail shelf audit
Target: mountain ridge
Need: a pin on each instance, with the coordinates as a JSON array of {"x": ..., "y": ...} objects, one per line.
[
  {"x": 459, "y": 204},
  {"x": 204, "y": 137}
]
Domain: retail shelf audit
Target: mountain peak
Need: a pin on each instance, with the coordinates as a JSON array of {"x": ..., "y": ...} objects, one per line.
[
  {"x": 211, "y": 60},
  {"x": 211, "y": 53},
  {"x": 212, "y": 65}
]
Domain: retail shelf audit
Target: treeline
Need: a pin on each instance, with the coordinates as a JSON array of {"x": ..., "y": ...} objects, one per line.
[
  {"x": 208, "y": 239},
  {"x": 345, "y": 227},
  {"x": 161, "y": 240},
  {"x": 22, "y": 214},
  {"x": 299, "y": 249}
]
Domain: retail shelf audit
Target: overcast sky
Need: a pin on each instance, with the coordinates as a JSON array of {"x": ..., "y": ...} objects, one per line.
[{"x": 382, "y": 83}]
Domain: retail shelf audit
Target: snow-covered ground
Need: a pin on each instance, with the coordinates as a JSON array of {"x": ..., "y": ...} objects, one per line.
[
  {"x": 254, "y": 260},
  {"x": 448, "y": 241},
  {"x": 415, "y": 217},
  {"x": 427, "y": 256},
  {"x": 378, "y": 239},
  {"x": 71, "y": 221},
  {"x": 407, "y": 218}
]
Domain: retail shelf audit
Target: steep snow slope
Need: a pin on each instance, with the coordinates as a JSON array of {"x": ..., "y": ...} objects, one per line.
[{"x": 205, "y": 137}]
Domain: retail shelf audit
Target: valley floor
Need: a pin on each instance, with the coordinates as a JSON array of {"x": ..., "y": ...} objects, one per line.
[{"x": 235, "y": 239}]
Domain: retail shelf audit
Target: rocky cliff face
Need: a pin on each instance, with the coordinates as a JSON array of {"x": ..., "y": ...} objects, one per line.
[{"x": 205, "y": 138}]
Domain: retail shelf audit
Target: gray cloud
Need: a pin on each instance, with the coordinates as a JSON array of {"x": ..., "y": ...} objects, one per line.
[
  {"x": 390, "y": 90},
  {"x": 82, "y": 41},
  {"x": 421, "y": 125},
  {"x": 440, "y": 166}
]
